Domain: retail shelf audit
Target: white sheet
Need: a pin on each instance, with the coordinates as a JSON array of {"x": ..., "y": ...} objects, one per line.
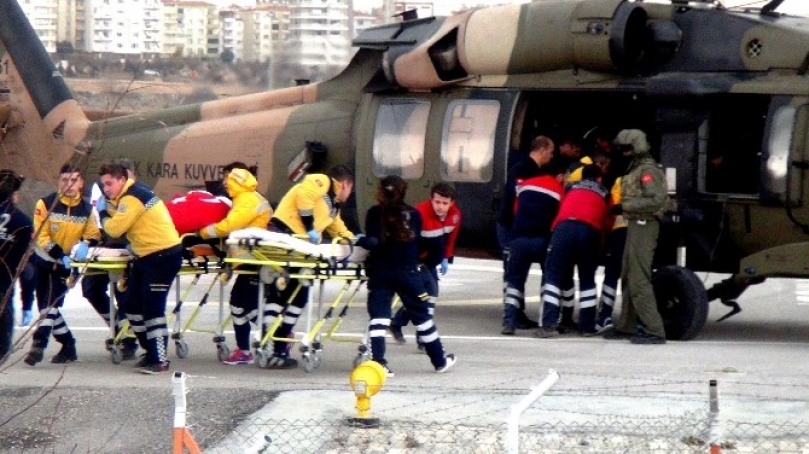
[{"x": 326, "y": 251}]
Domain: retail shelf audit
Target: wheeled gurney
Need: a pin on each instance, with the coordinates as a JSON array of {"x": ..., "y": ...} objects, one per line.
[
  {"x": 281, "y": 258},
  {"x": 198, "y": 262}
]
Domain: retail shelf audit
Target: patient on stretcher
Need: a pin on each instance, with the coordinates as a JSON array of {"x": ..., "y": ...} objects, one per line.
[
  {"x": 327, "y": 251},
  {"x": 104, "y": 254}
]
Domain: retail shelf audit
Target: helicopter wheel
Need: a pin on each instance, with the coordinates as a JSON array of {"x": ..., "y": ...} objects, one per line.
[{"x": 681, "y": 300}]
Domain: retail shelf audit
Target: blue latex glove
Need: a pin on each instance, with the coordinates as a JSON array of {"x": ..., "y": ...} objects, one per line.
[
  {"x": 444, "y": 266},
  {"x": 82, "y": 251},
  {"x": 101, "y": 204},
  {"x": 314, "y": 236},
  {"x": 66, "y": 262}
]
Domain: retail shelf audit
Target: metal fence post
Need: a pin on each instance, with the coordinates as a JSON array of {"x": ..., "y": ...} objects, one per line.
[
  {"x": 715, "y": 427},
  {"x": 182, "y": 436},
  {"x": 513, "y": 434}
]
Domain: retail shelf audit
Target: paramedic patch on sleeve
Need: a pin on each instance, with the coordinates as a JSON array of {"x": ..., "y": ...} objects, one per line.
[{"x": 647, "y": 178}]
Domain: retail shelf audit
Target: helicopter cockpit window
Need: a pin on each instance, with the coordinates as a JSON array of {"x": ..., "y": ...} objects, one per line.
[
  {"x": 467, "y": 144},
  {"x": 401, "y": 127}
]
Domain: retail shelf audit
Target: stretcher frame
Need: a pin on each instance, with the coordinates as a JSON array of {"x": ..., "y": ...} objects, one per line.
[
  {"x": 197, "y": 266},
  {"x": 116, "y": 268},
  {"x": 280, "y": 262}
]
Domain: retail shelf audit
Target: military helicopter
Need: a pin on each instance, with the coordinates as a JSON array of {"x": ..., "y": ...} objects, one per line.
[{"x": 722, "y": 93}]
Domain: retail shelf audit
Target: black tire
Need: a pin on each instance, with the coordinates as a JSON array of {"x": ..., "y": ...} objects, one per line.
[{"x": 681, "y": 300}]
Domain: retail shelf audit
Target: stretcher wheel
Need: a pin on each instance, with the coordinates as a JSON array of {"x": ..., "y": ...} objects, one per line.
[
  {"x": 262, "y": 360},
  {"x": 316, "y": 359},
  {"x": 116, "y": 356},
  {"x": 222, "y": 351},
  {"x": 308, "y": 363},
  {"x": 181, "y": 348}
]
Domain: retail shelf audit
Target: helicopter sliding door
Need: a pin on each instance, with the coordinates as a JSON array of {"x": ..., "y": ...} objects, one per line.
[
  {"x": 473, "y": 147},
  {"x": 458, "y": 136}
]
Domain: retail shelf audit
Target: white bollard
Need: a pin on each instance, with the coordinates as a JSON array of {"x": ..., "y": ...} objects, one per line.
[
  {"x": 715, "y": 427},
  {"x": 513, "y": 435}
]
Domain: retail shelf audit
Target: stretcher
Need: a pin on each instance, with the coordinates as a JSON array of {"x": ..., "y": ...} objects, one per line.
[
  {"x": 281, "y": 258},
  {"x": 199, "y": 260},
  {"x": 114, "y": 263}
]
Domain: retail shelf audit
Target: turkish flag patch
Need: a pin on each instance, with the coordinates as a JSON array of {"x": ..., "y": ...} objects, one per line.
[
  {"x": 319, "y": 183},
  {"x": 37, "y": 212},
  {"x": 647, "y": 178}
]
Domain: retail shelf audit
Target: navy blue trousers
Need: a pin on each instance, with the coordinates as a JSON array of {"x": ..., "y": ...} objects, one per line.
[
  {"x": 573, "y": 244},
  {"x": 51, "y": 287},
  {"x": 147, "y": 291},
  {"x": 429, "y": 277},
  {"x": 409, "y": 285},
  {"x": 518, "y": 257}
]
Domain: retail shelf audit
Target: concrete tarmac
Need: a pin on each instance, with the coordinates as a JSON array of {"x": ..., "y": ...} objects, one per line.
[{"x": 760, "y": 359}]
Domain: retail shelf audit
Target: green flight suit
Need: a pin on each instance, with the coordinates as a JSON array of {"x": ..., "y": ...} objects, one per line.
[{"x": 644, "y": 201}]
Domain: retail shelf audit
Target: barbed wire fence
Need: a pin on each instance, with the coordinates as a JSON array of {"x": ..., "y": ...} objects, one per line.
[{"x": 665, "y": 417}]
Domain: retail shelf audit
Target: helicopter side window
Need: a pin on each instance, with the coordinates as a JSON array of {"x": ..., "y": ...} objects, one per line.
[
  {"x": 401, "y": 127},
  {"x": 467, "y": 141}
]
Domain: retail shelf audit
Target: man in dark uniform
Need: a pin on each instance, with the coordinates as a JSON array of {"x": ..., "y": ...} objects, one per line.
[
  {"x": 15, "y": 236},
  {"x": 644, "y": 201},
  {"x": 576, "y": 241},
  {"x": 537, "y": 200}
]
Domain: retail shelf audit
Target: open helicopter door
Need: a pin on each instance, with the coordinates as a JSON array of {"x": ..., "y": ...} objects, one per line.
[{"x": 785, "y": 159}]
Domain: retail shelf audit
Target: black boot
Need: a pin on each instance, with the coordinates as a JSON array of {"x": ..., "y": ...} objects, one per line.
[
  {"x": 66, "y": 354},
  {"x": 34, "y": 355},
  {"x": 129, "y": 349},
  {"x": 523, "y": 322},
  {"x": 509, "y": 319}
]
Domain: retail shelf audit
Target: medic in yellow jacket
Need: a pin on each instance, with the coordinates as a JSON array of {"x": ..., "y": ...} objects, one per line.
[
  {"x": 250, "y": 209},
  {"x": 615, "y": 199},
  {"x": 313, "y": 205},
  {"x": 70, "y": 220},
  {"x": 137, "y": 212}
]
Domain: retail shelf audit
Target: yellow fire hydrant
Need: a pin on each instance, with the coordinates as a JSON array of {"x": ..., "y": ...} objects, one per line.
[{"x": 366, "y": 380}]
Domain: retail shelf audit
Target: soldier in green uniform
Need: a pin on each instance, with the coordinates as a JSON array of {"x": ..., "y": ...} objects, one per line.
[{"x": 644, "y": 202}]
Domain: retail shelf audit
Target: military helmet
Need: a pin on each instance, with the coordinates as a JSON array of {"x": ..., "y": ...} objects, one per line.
[{"x": 634, "y": 138}]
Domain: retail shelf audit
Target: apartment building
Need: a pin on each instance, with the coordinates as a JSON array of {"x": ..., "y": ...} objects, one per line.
[
  {"x": 129, "y": 27},
  {"x": 306, "y": 32},
  {"x": 43, "y": 15},
  {"x": 199, "y": 23},
  {"x": 266, "y": 30},
  {"x": 320, "y": 33},
  {"x": 231, "y": 32}
]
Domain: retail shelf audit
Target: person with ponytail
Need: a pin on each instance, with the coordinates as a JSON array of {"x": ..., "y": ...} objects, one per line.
[{"x": 393, "y": 228}]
